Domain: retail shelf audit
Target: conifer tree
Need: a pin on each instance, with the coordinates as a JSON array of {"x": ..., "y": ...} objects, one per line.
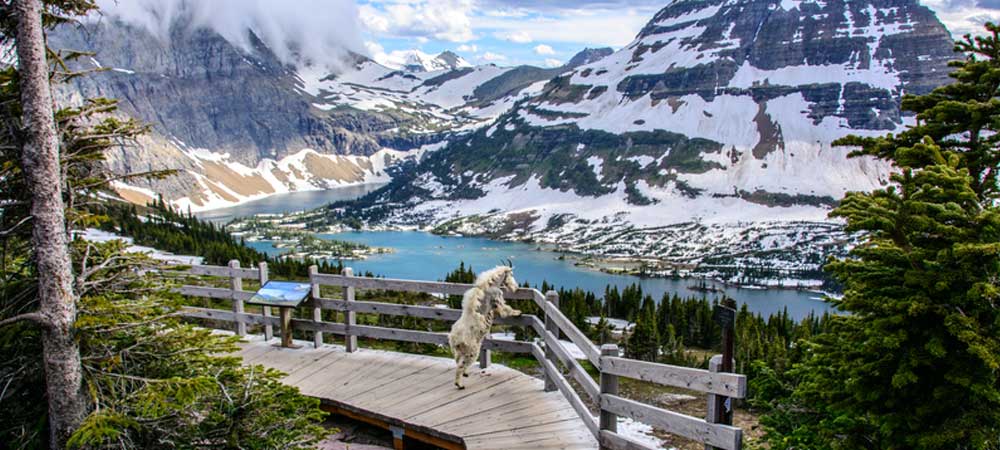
[
  {"x": 916, "y": 362},
  {"x": 150, "y": 380},
  {"x": 644, "y": 342}
]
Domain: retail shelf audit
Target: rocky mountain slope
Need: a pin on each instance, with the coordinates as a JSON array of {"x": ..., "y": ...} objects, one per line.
[
  {"x": 239, "y": 124},
  {"x": 708, "y": 135}
]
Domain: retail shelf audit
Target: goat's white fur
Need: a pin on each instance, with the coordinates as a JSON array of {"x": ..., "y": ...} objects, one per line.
[{"x": 467, "y": 334}]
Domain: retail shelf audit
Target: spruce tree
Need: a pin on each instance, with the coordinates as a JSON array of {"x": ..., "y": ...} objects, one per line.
[
  {"x": 150, "y": 380},
  {"x": 644, "y": 342},
  {"x": 916, "y": 361}
]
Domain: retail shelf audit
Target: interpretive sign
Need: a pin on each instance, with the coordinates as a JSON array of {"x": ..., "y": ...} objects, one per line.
[{"x": 282, "y": 294}]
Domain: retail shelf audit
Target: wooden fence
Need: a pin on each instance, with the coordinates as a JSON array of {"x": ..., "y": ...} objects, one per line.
[{"x": 555, "y": 359}]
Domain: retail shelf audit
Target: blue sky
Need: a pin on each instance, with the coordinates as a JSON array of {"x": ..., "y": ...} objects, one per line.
[
  {"x": 549, "y": 32},
  {"x": 505, "y": 32}
]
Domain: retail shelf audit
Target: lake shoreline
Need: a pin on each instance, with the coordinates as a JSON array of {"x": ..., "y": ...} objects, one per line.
[{"x": 419, "y": 255}]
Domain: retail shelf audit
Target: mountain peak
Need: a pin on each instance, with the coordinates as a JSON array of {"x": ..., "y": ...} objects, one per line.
[
  {"x": 417, "y": 61},
  {"x": 452, "y": 60},
  {"x": 589, "y": 55}
]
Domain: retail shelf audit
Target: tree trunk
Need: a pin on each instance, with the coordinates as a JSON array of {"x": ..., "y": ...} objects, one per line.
[{"x": 61, "y": 352}]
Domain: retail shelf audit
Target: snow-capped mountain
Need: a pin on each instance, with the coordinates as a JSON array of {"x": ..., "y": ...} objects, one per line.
[
  {"x": 418, "y": 61},
  {"x": 236, "y": 123},
  {"x": 713, "y": 126}
]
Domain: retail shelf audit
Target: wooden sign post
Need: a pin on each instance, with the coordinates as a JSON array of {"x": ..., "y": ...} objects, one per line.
[{"x": 720, "y": 408}]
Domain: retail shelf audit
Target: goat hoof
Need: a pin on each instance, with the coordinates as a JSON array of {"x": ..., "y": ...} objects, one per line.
[
  {"x": 460, "y": 387},
  {"x": 465, "y": 375}
]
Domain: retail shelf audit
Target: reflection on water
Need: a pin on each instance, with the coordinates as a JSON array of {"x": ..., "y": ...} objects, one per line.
[
  {"x": 287, "y": 203},
  {"x": 424, "y": 256}
]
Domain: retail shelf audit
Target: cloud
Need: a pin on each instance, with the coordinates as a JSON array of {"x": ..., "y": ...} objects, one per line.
[
  {"x": 374, "y": 48},
  {"x": 582, "y": 27},
  {"x": 549, "y": 62},
  {"x": 313, "y": 32},
  {"x": 544, "y": 50},
  {"x": 466, "y": 48},
  {"x": 573, "y": 4},
  {"x": 519, "y": 37},
  {"x": 492, "y": 57},
  {"x": 446, "y": 20},
  {"x": 965, "y": 16}
]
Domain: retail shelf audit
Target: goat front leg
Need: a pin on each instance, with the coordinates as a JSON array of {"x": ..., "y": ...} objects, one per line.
[{"x": 504, "y": 309}]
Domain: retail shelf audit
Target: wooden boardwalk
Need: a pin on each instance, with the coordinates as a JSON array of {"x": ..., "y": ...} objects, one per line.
[
  {"x": 499, "y": 409},
  {"x": 413, "y": 395}
]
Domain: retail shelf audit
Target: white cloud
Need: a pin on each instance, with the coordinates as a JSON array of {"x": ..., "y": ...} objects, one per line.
[
  {"x": 446, "y": 20},
  {"x": 549, "y": 62},
  {"x": 583, "y": 27},
  {"x": 963, "y": 17},
  {"x": 492, "y": 57},
  {"x": 519, "y": 37},
  {"x": 466, "y": 48},
  {"x": 513, "y": 12},
  {"x": 374, "y": 48},
  {"x": 544, "y": 50},
  {"x": 313, "y": 32}
]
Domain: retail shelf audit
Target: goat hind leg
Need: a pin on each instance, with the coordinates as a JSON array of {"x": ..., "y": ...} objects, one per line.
[{"x": 462, "y": 371}]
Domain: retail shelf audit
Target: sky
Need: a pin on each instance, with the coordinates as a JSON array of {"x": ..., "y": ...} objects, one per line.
[{"x": 503, "y": 32}]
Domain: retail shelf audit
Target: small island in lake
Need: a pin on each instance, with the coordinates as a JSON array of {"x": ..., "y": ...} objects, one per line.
[{"x": 298, "y": 242}]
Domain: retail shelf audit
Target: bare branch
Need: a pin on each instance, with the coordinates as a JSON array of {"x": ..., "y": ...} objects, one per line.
[{"x": 32, "y": 316}]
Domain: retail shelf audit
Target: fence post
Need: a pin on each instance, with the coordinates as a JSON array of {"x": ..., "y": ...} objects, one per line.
[
  {"x": 552, "y": 298},
  {"x": 609, "y": 385},
  {"x": 350, "y": 317},
  {"x": 317, "y": 311},
  {"x": 236, "y": 284},
  {"x": 720, "y": 408},
  {"x": 268, "y": 328}
]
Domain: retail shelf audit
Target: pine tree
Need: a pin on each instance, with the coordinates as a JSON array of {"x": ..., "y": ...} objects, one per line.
[
  {"x": 150, "y": 380},
  {"x": 916, "y": 362},
  {"x": 601, "y": 331},
  {"x": 644, "y": 342}
]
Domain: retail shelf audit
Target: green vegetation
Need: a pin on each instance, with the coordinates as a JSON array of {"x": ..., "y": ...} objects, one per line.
[
  {"x": 299, "y": 243},
  {"x": 916, "y": 362},
  {"x": 161, "y": 227},
  {"x": 141, "y": 378}
]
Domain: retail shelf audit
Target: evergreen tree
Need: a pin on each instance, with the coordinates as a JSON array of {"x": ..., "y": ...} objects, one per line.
[
  {"x": 644, "y": 342},
  {"x": 148, "y": 380},
  {"x": 459, "y": 275},
  {"x": 601, "y": 332},
  {"x": 916, "y": 362}
]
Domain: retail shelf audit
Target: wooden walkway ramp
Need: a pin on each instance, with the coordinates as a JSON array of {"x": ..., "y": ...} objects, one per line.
[
  {"x": 413, "y": 395},
  {"x": 501, "y": 409}
]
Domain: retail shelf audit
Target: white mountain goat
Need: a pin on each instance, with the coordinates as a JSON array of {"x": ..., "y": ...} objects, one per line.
[{"x": 467, "y": 334}]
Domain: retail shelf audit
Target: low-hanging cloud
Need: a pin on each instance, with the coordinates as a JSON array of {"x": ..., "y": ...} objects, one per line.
[{"x": 308, "y": 32}]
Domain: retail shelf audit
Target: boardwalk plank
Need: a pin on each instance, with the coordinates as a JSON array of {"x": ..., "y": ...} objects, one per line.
[{"x": 505, "y": 409}]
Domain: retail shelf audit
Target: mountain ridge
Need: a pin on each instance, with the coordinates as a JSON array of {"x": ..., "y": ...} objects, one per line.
[
  {"x": 720, "y": 115},
  {"x": 228, "y": 118}
]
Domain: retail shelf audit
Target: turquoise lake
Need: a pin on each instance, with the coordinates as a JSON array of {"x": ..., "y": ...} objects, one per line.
[
  {"x": 424, "y": 256},
  {"x": 289, "y": 203}
]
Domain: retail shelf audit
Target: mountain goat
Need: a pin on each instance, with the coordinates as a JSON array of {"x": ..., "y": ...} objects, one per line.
[{"x": 467, "y": 334}]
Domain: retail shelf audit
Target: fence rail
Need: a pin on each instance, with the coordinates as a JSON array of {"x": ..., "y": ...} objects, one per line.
[{"x": 554, "y": 353}]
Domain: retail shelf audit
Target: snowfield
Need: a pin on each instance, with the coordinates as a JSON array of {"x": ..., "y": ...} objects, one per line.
[{"x": 94, "y": 235}]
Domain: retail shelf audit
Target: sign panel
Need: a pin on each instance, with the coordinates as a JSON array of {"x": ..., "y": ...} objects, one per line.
[
  {"x": 724, "y": 316},
  {"x": 282, "y": 294}
]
